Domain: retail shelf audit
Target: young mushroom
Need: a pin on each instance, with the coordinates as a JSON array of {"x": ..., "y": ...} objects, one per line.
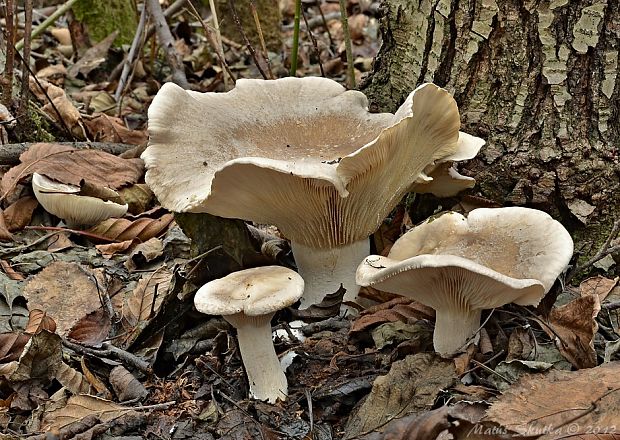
[
  {"x": 303, "y": 154},
  {"x": 248, "y": 299},
  {"x": 460, "y": 266},
  {"x": 65, "y": 202}
]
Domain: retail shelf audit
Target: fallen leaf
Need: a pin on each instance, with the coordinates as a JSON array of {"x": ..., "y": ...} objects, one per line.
[
  {"x": 60, "y": 109},
  {"x": 104, "y": 128},
  {"x": 393, "y": 333},
  {"x": 67, "y": 291},
  {"x": 144, "y": 252},
  {"x": 410, "y": 387},
  {"x": 9, "y": 271},
  {"x": 562, "y": 404},
  {"x": 107, "y": 250},
  {"x": 399, "y": 309},
  {"x": 146, "y": 299},
  {"x": 69, "y": 166},
  {"x": 59, "y": 242},
  {"x": 93, "y": 57},
  {"x": 138, "y": 197},
  {"x": 71, "y": 379},
  {"x": 39, "y": 321},
  {"x": 95, "y": 382},
  {"x": 425, "y": 426},
  {"x": 122, "y": 229},
  {"x": 40, "y": 359},
  {"x": 572, "y": 327},
  {"x": 78, "y": 408},
  {"x": 90, "y": 189},
  {"x": 125, "y": 385},
  {"x": 91, "y": 329},
  {"x": 598, "y": 285},
  {"x": 19, "y": 213},
  {"x": 5, "y": 234},
  {"x": 12, "y": 344}
]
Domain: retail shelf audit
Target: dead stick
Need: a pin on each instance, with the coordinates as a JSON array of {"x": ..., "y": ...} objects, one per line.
[
  {"x": 9, "y": 153},
  {"x": 166, "y": 41},
  {"x": 245, "y": 38},
  {"x": 23, "y": 99}
]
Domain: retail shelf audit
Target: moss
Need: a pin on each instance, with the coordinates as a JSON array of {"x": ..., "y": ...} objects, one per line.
[{"x": 104, "y": 17}]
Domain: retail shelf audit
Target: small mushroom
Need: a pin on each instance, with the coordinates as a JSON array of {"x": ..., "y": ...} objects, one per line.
[
  {"x": 303, "y": 154},
  {"x": 248, "y": 299},
  {"x": 64, "y": 202},
  {"x": 460, "y": 266}
]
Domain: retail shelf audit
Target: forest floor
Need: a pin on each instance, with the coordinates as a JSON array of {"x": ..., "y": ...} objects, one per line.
[{"x": 99, "y": 337}]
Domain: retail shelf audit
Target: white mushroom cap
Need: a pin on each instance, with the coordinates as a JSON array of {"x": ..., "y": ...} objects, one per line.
[
  {"x": 441, "y": 178},
  {"x": 460, "y": 266},
  {"x": 253, "y": 292},
  {"x": 64, "y": 202},
  {"x": 301, "y": 153},
  {"x": 248, "y": 300}
]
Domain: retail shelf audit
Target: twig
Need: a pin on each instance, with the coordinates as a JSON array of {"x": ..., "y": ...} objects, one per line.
[
  {"x": 604, "y": 250},
  {"x": 347, "y": 44},
  {"x": 9, "y": 153},
  {"x": 18, "y": 249},
  {"x": 316, "y": 21},
  {"x": 314, "y": 44},
  {"x": 71, "y": 231},
  {"x": 129, "y": 61},
  {"x": 216, "y": 42},
  {"x": 261, "y": 38},
  {"x": 169, "y": 12},
  {"x": 332, "y": 45},
  {"x": 9, "y": 65},
  {"x": 23, "y": 103},
  {"x": 48, "y": 21},
  {"x": 166, "y": 41},
  {"x": 490, "y": 370},
  {"x": 310, "y": 411},
  {"x": 495, "y": 356},
  {"x": 245, "y": 38},
  {"x": 108, "y": 349},
  {"x": 295, "y": 48}
]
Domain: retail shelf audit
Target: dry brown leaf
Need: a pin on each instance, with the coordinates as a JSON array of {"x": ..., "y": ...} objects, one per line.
[
  {"x": 562, "y": 404},
  {"x": 122, "y": 229},
  {"x": 67, "y": 291},
  {"x": 93, "y": 57},
  {"x": 59, "y": 242},
  {"x": 38, "y": 321},
  {"x": 107, "y": 250},
  {"x": 125, "y": 385},
  {"x": 521, "y": 344},
  {"x": 96, "y": 383},
  {"x": 104, "y": 128},
  {"x": 91, "y": 329},
  {"x": 425, "y": 426},
  {"x": 5, "y": 235},
  {"x": 69, "y": 115},
  {"x": 71, "y": 379},
  {"x": 410, "y": 387},
  {"x": 68, "y": 165},
  {"x": 398, "y": 309},
  {"x": 572, "y": 327},
  {"x": 9, "y": 271},
  {"x": 78, "y": 408},
  {"x": 40, "y": 359},
  {"x": 12, "y": 345},
  {"x": 144, "y": 252},
  {"x": 19, "y": 213},
  {"x": 90, "y": 189},
  {"x": 598, "y": 285},
  {"x": 146, "y": 299},
  {"x": 138, "y": 197},
  {"x": 55, "y": 74}
]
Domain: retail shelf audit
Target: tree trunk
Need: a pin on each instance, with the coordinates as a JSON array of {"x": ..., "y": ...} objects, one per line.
[{"x": 537, "y": 80}]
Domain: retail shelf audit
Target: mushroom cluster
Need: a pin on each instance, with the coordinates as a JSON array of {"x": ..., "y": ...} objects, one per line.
[
  {"x": 305, "y": 155},
  {"x": 460, "y": 266}
]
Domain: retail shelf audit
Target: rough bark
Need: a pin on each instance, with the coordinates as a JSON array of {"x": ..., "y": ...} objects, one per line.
[{"x": 538, "y": 80}]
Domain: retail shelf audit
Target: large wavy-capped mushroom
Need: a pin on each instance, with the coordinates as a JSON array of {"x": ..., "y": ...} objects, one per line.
[
  {"x": 460, "y": 266},
  {"x": 303, "y": 154},
  {"x": 65, "y": 202}
]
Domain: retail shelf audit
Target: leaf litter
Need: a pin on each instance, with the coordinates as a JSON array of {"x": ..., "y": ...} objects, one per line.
[{"x": 98, "y": 335}]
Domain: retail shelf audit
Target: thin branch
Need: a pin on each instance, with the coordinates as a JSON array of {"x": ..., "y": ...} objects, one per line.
[
  {"x": 166, "y": 41},
  {"x": 129, "y": 61},
  {"x": 245, "y": 38},
  {"x": 48, "y": 22},
  {"x": 24, "y": 97},
  {"x": 216, "y": 42},
  {"x": 295, "y": 48},
  {"x": 314, "y": 44},
  {"x": 261, "y": 38},
  {"x": 347, "y": 44},
  {"x": 107, "y": 350}
]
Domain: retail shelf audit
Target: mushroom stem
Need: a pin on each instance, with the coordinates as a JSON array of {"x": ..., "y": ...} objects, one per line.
[
  {"x": 323, "y": 270},
  {"x": 453, "y": 329},
  {"x": 265, "y": 376}
]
